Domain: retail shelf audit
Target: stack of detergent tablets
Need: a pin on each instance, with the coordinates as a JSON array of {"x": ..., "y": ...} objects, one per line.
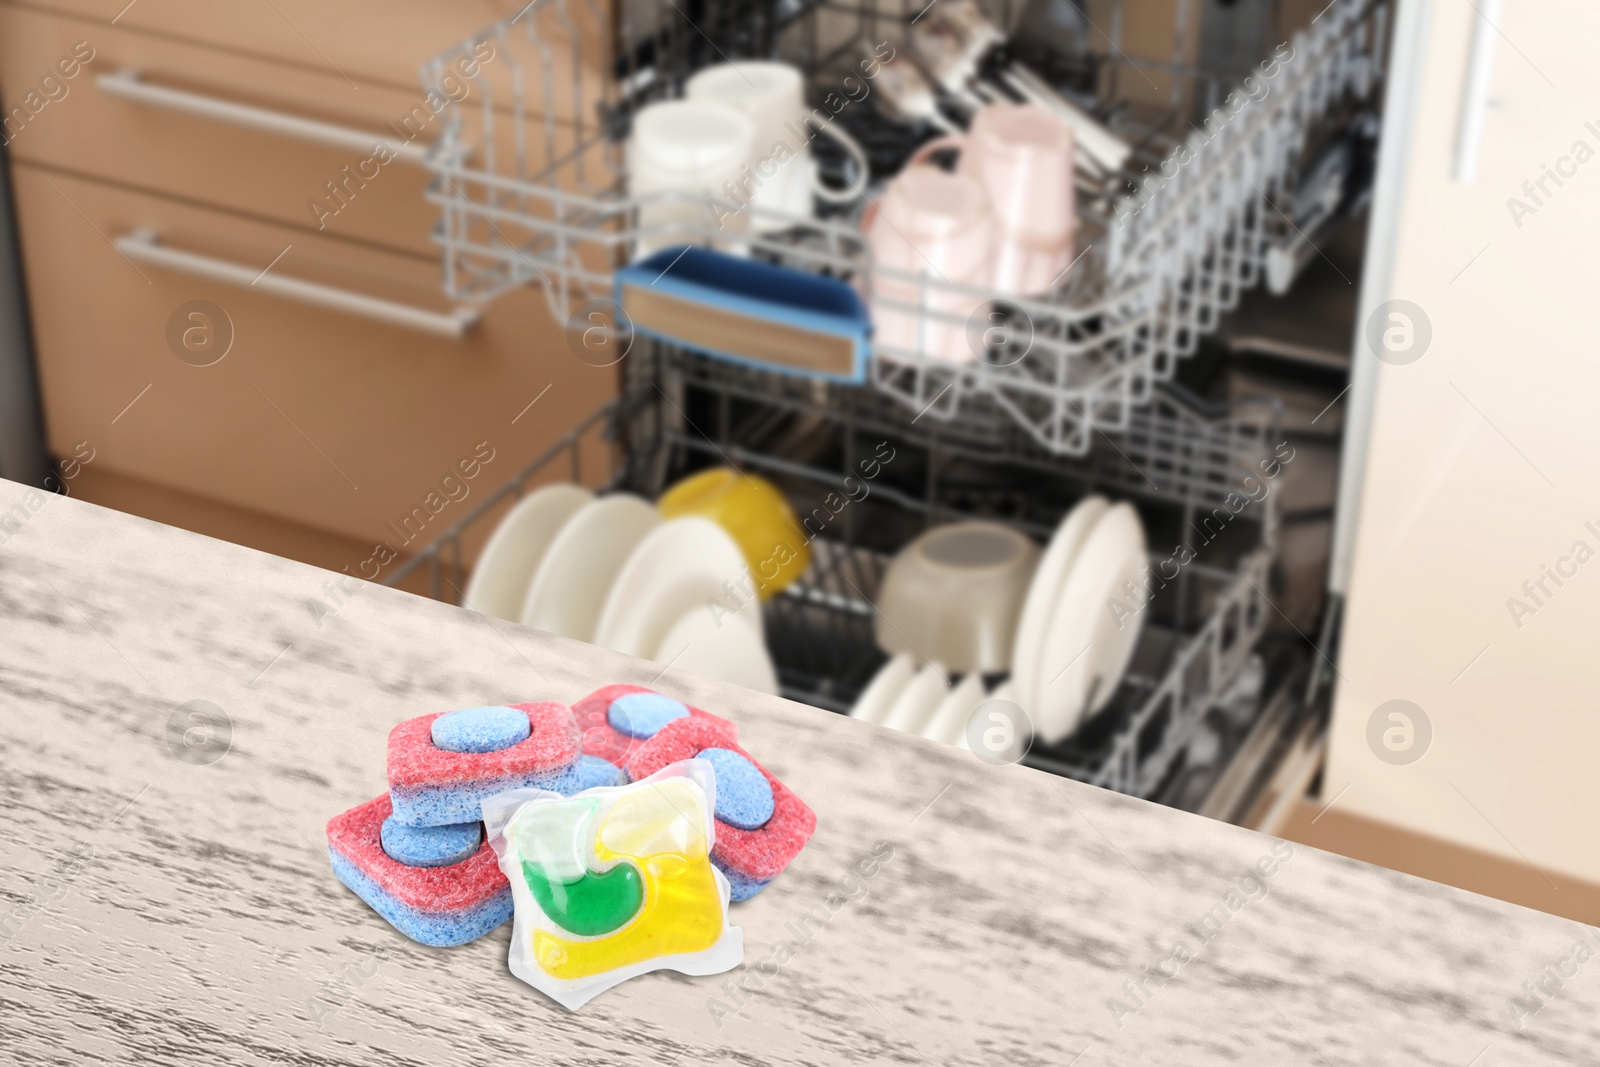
[{"x": 419, "y": 855}]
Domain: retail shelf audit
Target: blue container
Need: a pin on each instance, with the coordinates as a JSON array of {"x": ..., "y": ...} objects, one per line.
[{"x": 750, "y": 312}]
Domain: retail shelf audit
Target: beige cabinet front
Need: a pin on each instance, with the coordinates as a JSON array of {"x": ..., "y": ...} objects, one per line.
[
  {"x": 1474, "y": 587},
  {"x": 342, "y": 416}
]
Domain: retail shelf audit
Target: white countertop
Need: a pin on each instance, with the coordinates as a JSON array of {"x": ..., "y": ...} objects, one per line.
[{"x": 153, "y": 909}]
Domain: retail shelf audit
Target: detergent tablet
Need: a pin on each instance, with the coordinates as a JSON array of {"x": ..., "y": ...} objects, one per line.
[
  {"x": 761, "y": 824},
  {"x": 614, "y": 882},
  {"x": 441, "y": 767},
  {"x": 448, "y": 904},
  {"x": 614, "y": 720}
]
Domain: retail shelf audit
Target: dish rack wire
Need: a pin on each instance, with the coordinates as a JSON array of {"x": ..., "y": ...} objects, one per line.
[
  {"x": 530, "y": 180},
  {"x": 1182, "y": 462}
]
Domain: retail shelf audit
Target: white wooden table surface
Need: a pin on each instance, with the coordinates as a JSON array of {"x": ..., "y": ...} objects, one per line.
[{"x": 168, "y": 910}]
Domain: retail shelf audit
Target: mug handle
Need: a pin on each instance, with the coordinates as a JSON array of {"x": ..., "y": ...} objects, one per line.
[
  {"x": 857, "y": 156},
  {"x": 958, "y": 141}
]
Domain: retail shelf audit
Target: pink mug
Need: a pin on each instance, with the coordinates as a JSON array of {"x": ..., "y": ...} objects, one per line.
[
  {"x": 1022, "y": 156},
  {"x": 931, "y": 233}
]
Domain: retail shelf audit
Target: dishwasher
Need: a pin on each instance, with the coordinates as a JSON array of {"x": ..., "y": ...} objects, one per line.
[{"x": 1200, "y": 334}]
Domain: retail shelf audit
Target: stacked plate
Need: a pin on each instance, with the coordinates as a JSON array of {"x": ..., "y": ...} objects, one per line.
[
  {"x": 1082, "y": 618},
  {"x": 1074, "y": 637},
  {"x": 611, "y": 571},
  {"x": 922, "y": 701}
]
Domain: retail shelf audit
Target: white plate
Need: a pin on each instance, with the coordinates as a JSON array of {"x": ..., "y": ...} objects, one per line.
[
  {"x": 570, "y": 586},
  {"x": 731, "y": 652},
  {"x": 505, "y": 566},
  {"x": 948, "y": 724},
  {"x": 1045, "y": 590},
  {"x": 918, "y": 700},
  {"x": 1020, "y": 739},
  {"x": 886, "y": 686},
  {"x": 1085, "y": 651},
  {"x": 683, "y": 564},
  {"x": 1120, "y": 641}
]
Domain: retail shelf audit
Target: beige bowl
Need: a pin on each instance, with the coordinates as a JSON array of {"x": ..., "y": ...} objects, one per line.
[{"x": 954, "y": 594}]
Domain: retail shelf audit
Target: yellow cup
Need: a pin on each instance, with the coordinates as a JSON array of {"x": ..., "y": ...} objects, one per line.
[{"x": 754, "y": 514}]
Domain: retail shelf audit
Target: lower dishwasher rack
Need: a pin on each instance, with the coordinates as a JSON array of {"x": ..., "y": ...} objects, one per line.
[{"x": 681, "y": 412}]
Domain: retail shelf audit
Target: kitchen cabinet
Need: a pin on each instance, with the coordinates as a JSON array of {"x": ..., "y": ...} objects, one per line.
[
  {"x": 312, "y": 414},
  {"x": 1470, "y": 511},
  {"x": 176, "y": 155},
  {"x": 362, "y": 42},
  {"x": 94, "y": 131}
]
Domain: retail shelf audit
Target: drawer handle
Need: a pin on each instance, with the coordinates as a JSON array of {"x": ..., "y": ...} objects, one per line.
[
  {"x": 130, "y": 85},
  {"x": 144, "y": 247}
]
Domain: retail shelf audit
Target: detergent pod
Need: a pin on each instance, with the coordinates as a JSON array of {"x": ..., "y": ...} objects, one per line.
[{"x": 614, "y": 882}]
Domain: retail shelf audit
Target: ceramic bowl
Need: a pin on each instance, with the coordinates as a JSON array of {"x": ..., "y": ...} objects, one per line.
[{"x": 954, "y": 594}]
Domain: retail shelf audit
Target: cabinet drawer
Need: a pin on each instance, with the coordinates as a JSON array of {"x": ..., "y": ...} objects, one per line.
[
  {"x": 334, "y": 420},
  {"x": 369, "y": 42},
  {"x": 239, "y": 133}
]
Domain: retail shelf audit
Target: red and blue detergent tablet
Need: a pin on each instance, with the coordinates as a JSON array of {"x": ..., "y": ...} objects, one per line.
[
  {"x": 441, "y": 767},
  {"x": 440, "y": 904},
  {"x": 616, "y": 719},
  {"x": 761, "y": 824}
]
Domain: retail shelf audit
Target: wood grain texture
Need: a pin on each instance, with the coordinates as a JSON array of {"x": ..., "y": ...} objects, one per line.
[{"x": 156, "y": 910}]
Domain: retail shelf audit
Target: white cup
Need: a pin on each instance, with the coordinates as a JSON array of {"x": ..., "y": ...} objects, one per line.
[
  {"x": 684, "y": 150},
  {"x": 780, "y": 178}
]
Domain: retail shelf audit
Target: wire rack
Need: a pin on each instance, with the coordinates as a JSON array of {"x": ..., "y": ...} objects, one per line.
[
  {"x": 531, "y": 186},
  {"x": 680, "y": 412},
  {"x": 1178, "y": 449}
]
